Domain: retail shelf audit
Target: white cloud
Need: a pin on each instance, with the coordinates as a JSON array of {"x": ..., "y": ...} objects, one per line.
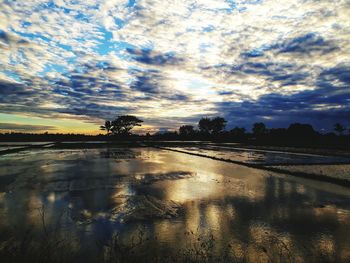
[{"x": 45, "y": 41}]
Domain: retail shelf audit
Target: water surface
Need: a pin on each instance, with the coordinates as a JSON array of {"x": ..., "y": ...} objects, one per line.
[
  {"x": 263, "y": 157},
  {"x": 175, "y": 198}
]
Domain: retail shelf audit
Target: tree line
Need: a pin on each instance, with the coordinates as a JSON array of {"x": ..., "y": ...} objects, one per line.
[{"x": 212, "y": 127}]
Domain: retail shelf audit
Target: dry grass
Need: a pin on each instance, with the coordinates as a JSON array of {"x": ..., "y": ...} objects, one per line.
[
  {"x": 48, "y": 244},
  {"x": 51, "y": 245}
]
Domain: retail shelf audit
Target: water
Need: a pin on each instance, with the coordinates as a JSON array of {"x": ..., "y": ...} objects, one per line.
[
  {"x": 263, "y": 157},
  {"x": 22, "y": 143},
  {"x": 4, "y": 146},
  {"x": 176, "y": 199}
]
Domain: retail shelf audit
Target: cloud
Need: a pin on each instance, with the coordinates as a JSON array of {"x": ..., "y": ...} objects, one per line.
[
  {"x": 25, "y": 127},
  {"x": 174, "y": 60},
  {"x": 337, "y": 77},
  {"x": 310, "y": 106},
  {"x": 150, "y": 57},
  {"x": 307, "y": 44}
]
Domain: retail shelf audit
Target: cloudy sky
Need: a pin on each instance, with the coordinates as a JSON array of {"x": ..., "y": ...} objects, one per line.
[{"x": 67, "y": 65}]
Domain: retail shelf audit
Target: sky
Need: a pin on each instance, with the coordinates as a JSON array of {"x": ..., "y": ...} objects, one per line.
[{"x": 68, "y": 65}]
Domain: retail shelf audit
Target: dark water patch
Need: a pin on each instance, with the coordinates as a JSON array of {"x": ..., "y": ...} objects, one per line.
[{"x": 6, "y": 180}]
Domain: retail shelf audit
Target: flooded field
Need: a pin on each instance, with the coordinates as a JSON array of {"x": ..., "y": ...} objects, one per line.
[
  {"x": 5, "y": 146},
  {"x": 265, "y": 157},
  {"x": 126, "y": 204},
  {"x": 9, "y": 147}
]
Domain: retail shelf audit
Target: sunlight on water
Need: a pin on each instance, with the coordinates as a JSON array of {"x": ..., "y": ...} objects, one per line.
[{"x": 178, "y": 198}]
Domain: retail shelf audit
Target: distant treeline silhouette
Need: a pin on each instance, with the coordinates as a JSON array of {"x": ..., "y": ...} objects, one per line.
[
  {"x": 207, "y": 129},
  {"x": 297, "y": 134}
]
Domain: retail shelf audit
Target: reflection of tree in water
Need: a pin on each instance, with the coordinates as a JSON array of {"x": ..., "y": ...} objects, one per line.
[
  {"x": 280, "y": 212},
  {"x": 119, "y": 154},
  {"x": 286, "y": 221},
  {"x": 276, "y": 222}
]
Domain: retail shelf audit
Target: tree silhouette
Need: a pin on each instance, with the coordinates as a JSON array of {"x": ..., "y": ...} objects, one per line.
[
  {"x": 204, "y": 125},
  {"x": 212, "y": 126},
  {"x": 339, "y": 128},
  {"x": 124, "y": 124},
  {"x": 107, "y": 127},
  {"x": 238, "y": 132},
  {"x": 301, "y": 131},
  {"x": 217, "y": 125},
  {"x": 121, "y": 125},
  {"x": 259, "y": 129},
  {"x": 186, "y": 130}
]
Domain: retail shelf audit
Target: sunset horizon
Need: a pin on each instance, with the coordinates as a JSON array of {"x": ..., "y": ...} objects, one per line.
[{"x": 67, "y": 66}]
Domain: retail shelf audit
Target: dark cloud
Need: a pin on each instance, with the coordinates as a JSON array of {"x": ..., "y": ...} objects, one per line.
[
  {"x": 4, "y": 37},
  {"x": 307, "y": 44},
  {"x": 178, "y": 97},
  {"x": 95, "y": 110},
  {"x": 224, "y": 93},
  {"x": 85, "y": 93},
  {"x": 9, "y": 39},
  {"x": 321, "y": 107},
  {"x": 285, "y": 74},
  {"x": 21, "y": 94},
  {"x": 338, "y": 76},
  {"x": 80, "y": 94},
  {"x": 288, "y": 79},
  {"x": 8, "y": 88},
  {"x": 150, "y": 83},
  {"x": 267, "y": 110},
  {"x": 150, "y": 57},
  {"x": 25, "y": 127},
  {"x": 252, "y": 54},
  {"x": 147, "y": 82},
  {"x": 327, "y": 103}
]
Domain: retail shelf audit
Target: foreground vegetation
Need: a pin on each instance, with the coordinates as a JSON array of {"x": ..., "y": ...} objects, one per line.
[{"x": 57, "y": 247}]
